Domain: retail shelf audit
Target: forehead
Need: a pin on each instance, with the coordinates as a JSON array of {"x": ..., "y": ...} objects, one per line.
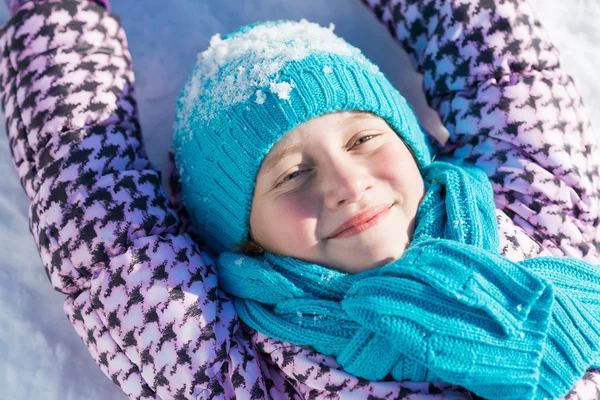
[{"x": 338, "y": 122}]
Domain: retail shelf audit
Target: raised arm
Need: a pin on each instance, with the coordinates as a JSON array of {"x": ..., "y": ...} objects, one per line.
[
  {"x": 495, "y": 80},
  {"x": 143, "y": 298}
]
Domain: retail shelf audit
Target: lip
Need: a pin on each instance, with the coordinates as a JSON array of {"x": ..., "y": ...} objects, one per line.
[{"x": 361, "y": 221}]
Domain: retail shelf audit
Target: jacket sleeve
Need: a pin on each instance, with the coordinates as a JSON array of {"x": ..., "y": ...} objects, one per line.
[
  {"x": 495, "y": 80},
  {"x": 142, "y": 296}
]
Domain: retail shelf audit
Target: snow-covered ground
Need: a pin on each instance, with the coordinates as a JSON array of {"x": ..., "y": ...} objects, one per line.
[{"x": 41, "y": 357}]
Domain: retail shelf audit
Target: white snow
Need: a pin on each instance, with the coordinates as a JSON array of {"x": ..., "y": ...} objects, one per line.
[
  {"x": 282, "y": 89},
  {"x": 41, "y": 357},
  {"x": 260, "y": 97},
  {"x": 264, "y": 49}
]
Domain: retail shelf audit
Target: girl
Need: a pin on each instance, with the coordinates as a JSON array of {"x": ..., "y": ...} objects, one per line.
[{"x": 144, "y": 297}]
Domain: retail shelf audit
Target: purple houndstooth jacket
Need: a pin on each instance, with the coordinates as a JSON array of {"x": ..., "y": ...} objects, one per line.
[{"x": 140, "y": 291}]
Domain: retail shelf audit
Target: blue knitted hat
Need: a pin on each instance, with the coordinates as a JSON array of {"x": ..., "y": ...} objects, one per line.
[{"x": 247, "y": 90}]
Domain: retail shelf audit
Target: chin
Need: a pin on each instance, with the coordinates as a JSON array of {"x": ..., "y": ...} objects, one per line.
[
  {"x": 378, "y": 252},
  {"x": 393, "y": 253},
  {"x": 389, "y": 259},
  {"x": 371, "y": 262}
]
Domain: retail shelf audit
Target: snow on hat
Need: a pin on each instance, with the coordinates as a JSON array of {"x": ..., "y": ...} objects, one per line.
[{"x": 247, "y": 90}]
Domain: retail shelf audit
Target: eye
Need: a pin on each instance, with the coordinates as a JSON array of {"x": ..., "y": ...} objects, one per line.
[
  {"x": 289, "y": 177},
  {"x": 292, "y": 176},
  {"x": 295, "y": 174},
  {"x": 363, "y": 139}
]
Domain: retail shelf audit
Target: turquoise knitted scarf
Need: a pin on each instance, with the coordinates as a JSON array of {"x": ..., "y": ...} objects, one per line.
[{"x": 450, "y": 309}]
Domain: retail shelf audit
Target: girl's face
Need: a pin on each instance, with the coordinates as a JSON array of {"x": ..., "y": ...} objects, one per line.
[{"x": 340, "y": 190}]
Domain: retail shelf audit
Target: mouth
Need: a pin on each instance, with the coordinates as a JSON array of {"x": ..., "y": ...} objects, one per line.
[{"x": 362, "y": 222}]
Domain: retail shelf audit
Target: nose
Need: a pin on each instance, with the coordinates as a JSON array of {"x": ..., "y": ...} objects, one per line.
[{"x": 345, "y": 181}]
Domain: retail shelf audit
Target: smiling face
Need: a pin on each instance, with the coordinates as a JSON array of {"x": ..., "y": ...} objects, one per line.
[{"x": 340, "y": 190}]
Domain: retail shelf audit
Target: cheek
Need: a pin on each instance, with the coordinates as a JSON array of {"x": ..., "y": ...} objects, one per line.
[
  {"x": 396, "y": 166},
  {"x": 291, "y": 223}
]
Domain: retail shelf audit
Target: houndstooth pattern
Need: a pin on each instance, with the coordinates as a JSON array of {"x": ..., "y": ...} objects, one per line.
[
  {"x": 494, "y": 77},
  {"x": 142, "y": 294},
  {"x": 15, "y": 5}
]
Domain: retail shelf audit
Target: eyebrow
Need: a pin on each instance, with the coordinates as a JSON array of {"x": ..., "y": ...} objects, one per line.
[
  {"x": 274, "y": 160},
  {"x": 362, "y": 115}
]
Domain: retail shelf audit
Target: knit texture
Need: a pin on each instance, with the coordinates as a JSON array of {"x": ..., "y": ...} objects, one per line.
[
  {"x": 249, "y": 89},
  {"x": 450, "y": 309}
]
